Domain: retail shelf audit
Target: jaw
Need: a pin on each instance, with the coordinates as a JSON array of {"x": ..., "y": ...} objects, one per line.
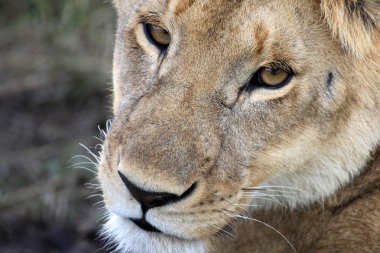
[{"x": 129, "y": 238}]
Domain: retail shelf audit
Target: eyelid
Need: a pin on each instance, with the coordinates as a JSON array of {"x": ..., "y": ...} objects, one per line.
[
  {"x": 153, "y": 19},
  {"x": 280, "y": 65}
]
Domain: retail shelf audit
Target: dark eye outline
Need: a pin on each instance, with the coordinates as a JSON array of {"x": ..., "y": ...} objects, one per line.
[
  {"x": 148, "y": 34},
  {"x": 257, "y": 82}
]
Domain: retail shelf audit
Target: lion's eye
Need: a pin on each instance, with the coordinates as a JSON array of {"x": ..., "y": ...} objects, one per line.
[
  {"x": 270, "y": 78},
  {"x": 158, "y": 36},
  {"x": 273, "y": 77}
]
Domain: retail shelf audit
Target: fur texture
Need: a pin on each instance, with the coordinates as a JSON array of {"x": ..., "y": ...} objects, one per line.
[
  {"x": 294, "y": 168},
  {"x": 355, "y": 22}
]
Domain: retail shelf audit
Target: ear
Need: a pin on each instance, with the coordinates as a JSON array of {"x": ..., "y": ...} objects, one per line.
[{"x": 355, "y": 22}]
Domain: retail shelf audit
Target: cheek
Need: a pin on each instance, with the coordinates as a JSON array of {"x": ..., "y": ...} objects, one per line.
[
  {"x": 133, "y": 70},
  {"x": 130, "y": 81},
  {"x": 270, "y": 135},
  {"x": 288, "y": 153}
]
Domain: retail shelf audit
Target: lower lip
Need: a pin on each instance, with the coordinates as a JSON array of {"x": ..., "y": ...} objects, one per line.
[{"x": 144, "y": 225}]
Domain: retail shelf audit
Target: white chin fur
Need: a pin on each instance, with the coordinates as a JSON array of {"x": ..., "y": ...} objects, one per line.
[{"x": 131, "y": 239}]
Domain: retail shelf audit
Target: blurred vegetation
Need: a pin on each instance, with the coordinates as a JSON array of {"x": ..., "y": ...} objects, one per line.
[{"x": 55, "y": 68}]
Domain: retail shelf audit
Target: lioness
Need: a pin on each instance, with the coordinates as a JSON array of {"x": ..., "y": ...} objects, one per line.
[{"x": 244, "y": 126}]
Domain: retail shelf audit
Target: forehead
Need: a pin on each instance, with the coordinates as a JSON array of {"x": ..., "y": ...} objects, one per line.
[
  {"x": 226, "y": 11},
  {"x": 276, "y": 25},
  {"x": 243, "y": 18}
]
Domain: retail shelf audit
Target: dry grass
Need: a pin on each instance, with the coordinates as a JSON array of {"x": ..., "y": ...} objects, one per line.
[{"x": 55, "y": 61}]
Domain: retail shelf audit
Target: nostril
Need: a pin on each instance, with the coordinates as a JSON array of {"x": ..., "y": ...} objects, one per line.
[
  {"x": 150, "y": 200},
  {"x": 188, "y": 192}
]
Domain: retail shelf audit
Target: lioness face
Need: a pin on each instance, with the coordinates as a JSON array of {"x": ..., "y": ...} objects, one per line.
[{"x": 212, "y": 98}]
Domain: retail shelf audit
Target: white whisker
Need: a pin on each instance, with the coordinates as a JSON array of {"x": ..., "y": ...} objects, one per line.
[
  {"x": 99, "y": 202},
  {"x": 272, "y": 190},
  {"x": 97, "y": 138},
  {"x": 247, "y": 205},
  {"x": 80, "y": 163},
  {"x": 268, "y": 195},
  {"x": 269, "y": 199},
  {"x": 269, "y": 186},
  {"x": 108, "y": 125},
  {"x": 86, "y": 158},
  {"x": 237, "y": 215},
  {"x": 97, "y": 158},
  {"x": 222, "y": 230},
  {"x": 85, "y": 168},
  {"x": 94, "y": 195}
]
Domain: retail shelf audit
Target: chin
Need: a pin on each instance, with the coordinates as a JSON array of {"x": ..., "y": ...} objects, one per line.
[{"x": 129, "y": 238}]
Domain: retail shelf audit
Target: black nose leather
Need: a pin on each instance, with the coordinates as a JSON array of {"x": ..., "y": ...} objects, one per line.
[{"x": 150, "y": 200}]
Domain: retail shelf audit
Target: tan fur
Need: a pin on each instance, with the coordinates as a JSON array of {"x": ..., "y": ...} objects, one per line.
[
  {"x": 355, "y": 22},
  {"x": 182, "y": 6},
  {"x": 346, "y": 222},
  {"x": 302, "y": 158}
]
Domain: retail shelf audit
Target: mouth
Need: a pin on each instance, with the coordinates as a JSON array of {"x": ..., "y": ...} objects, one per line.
[
  {"x": 143, "y": 237},
  {"x": 144, "y": 225}
]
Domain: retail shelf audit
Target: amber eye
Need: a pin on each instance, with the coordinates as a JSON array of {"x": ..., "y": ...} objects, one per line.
[
  {"x": 273, "y": 77},
  {"x": 270, "y": 78},
  {"x": 158, "y": 36}
]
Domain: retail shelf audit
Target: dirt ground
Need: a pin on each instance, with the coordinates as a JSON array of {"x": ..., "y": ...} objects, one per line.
[{"x": 55, "y": 70}]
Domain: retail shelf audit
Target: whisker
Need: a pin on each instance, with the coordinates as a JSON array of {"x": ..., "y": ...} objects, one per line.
[
  {"x": 80, "y": 163},
  {"x": 103, "y": 134},
  {"x": 103, "y": 218},
  {"x": 99, "y": 147},
  {"x": 94, "y": 188},
  {"x": 262, "y": 198},
  {"x": 86, "y": 158},
  {"x": 272, "y": 190},
  {"x": 270, "y": 186},
  {"x": 268, "y": 195},
  {"x": 238, "y": 205},
  {"x": 94, "y": 195},
  {"x": 247, "y": 205},
  {"x": 85, "y": 168},
  {"x": 98, "y": 203},
  {"x": 97, "y": 138},
  {"x": 221, "y": 230},
  {"x": 108, "y": 125},
  {"x": 97, "y": 158},
  {"x": 228, "y": 212}
]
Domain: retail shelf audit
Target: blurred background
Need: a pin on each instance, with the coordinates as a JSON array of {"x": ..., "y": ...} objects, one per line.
[{"x": 55, "y": 74}]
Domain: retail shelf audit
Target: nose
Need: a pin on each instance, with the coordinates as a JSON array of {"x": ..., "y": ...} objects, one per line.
[{"x": 150, "y": 200}]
